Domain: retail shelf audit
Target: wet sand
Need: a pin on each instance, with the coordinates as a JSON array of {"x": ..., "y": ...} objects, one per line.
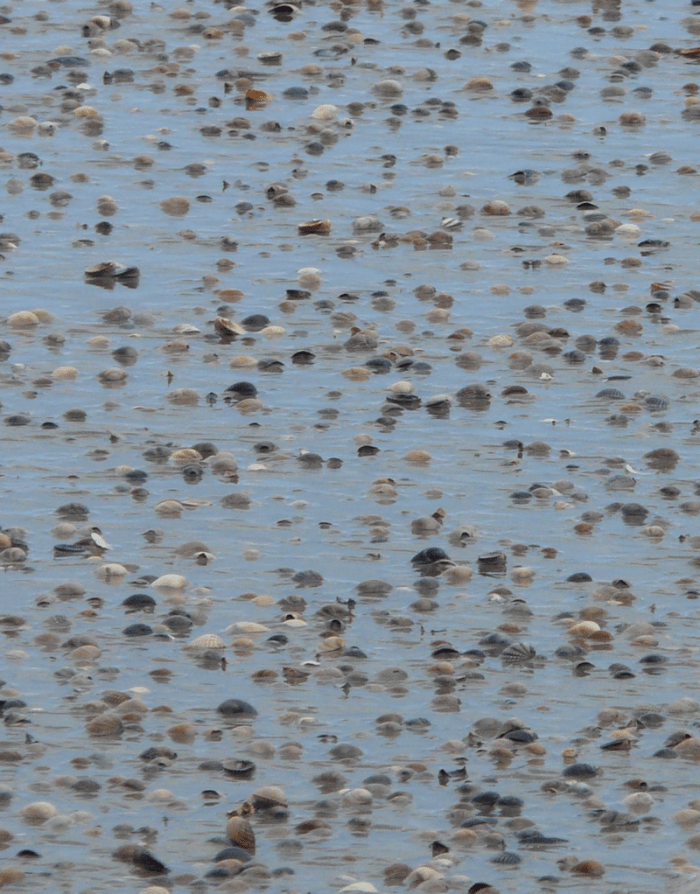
[{"x": 349, "y": 383}]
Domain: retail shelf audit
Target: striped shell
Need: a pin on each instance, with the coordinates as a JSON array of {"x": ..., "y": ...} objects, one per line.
[
  {"x": 206, "y": 641},
  {"x": 656, "y": 404},
  {"x": 517, "y": 653},
  {"x": 611, "y": 394},
  {"x": 507, "y": 858}
]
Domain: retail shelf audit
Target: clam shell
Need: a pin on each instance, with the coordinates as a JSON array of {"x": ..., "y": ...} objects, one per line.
[
  {"x": 507, "y": 858},
  {"x": 206, "y": 641},
  {"x": 171, "y": 581},
  {"x": 228, "y": 327},
  {"x": 240, "y": 833},
  {"x": 517, "y": 653},
  {"x": 321, "y": 227},
  {"x": 241, "y": 769},
  {"x": 269, "y": 796}
]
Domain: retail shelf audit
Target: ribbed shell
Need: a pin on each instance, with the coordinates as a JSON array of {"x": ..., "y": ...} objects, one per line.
[
  {"x": 518, "y": 653},
  {"x": 206, "y": 641}
]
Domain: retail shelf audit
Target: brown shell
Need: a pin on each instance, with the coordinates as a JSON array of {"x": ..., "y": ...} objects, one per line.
[
  {"x": 318, "y": 227},
  {"x": 588, "y": 867},
  {"x": 240, "y": 833},
  {"x": 254, "y": 95},
  {"x": 104, "y": 725}
]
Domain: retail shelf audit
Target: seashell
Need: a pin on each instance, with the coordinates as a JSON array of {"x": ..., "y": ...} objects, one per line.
[
  {"x": 185, "y": 456},
  {"x": 171, "y": 582},
  {"x": 112, "y": 375},
  {"x": 357, "y": 373},
  {"x": 86, "y": 112},
  {"x": 402, "y": 387},
  {"x": 628, "y": 231},
  {"x": 169, "y": 508},
  {"x": 249, "y": 405},
  {"x": 206, "y": 641},
  {"x": 183, "y": 732},
  {"x": 588, "y": 867},
  {"x": 317, "y": 227},
  {"x": 269, "y": 796},
  {"x": 357, "y": 797},
  {"x": 522, "y": 574},
  {"x": 479, "y": 84},
  {"x": 420, "y": 875},
  {"x": 458, "y": 574},
  {"x": 112, "y": 570},
  {"x": 241, "y": 769},
  {"x": 388, "y": 87},
  {"x": 639, "y": 802},
  {"x": 227, "y": 327},
  {"x": 247, "y": 627},
  {"x": 85, "y": 653},
  {"x": 309, "y": 277},
  {"x": 177, "y": 206},
  {"x": 496, "y": 208},
  {"x": 632, "y": 119},
  {"x": 254, "y": 96},
  {"x": 501, "y": 341},
  {"x": 65, "y": 372},
  {"x": 654, "y": 531},
  {"x": 417, "y": 456},
  {"x": 686, "y": 816},
  {"x": 23, "y": 319},
  {"x": 325, "y": 112},
  {"x": 103, "y": 269},
  {"x": 663, "y": 459},
  {"x": 517, "y": 653},
  {"x": 105, "y": 725},
  {"x": 492, "y": 563},
  {"x": 242, "y": 360},
  {"x": 38, "y": 811},
  {"x": 23, "y": 122},
  {"x": 241, "y": 834},
  {"x": 689, "y": 748},
  {"x": 273, "y": 331},
  {"x": 183, "y": 397},
  {"x": 507, "y": 858}
]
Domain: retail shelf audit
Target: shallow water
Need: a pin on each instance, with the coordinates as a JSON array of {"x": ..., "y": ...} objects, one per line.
[{"x": 537, "y": 467}]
